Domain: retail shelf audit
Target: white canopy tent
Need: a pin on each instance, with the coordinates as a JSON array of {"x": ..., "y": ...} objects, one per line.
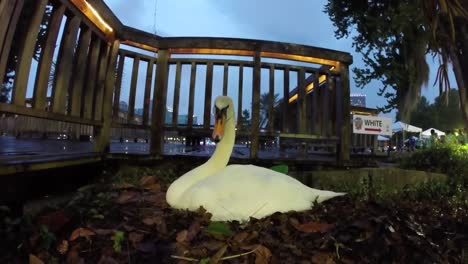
[
  {"x": 400, "y": 126},
  {"x": 427, "y": 133}
]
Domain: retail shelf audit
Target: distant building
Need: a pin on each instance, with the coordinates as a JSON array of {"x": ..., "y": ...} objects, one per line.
[{"x": 358, "y": 100}]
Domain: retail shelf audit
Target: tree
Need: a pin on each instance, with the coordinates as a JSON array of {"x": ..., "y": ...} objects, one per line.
[
  {"x": 246, "y": 122},
  {"x": 394, "y": 38},
  {"x": 265, "y": 106}
]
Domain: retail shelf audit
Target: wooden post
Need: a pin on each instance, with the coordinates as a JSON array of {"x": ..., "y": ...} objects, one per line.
[
  {"x": 225, "y": 79},
  {"x": 317, "y": 126},
  {"x": 159, "y": 104},
  {"x": 271, "y": 100},
  {"x": 45, "y": 63},
  {"x": 285, "y": 116},
  {"x": 346, "y": 119},
  {"x": 255, "y": 105},
  {"x": 133, "y": 88},
  {"x": 78, "y": 77},
  {"x": 102, "y": 140},
  {"x": 301, "y": 102},
  {"x": 26, "y": 53},
  {"x": 146, "y": 101},
  {"x": 241, "y": 85},
  {"x": 193, "y": 74},
  {"x": 90, "y": 83},
  {"x": 65, "y": 66},
  {"x": 118, "y": 86},
  {"x": 175, "y": 103},
  {"x": 9, "y": 19},
  {"x": 326, "y": 107},
  {"x": 208, "y": 92},
  {"x": 101, "y": 78}
]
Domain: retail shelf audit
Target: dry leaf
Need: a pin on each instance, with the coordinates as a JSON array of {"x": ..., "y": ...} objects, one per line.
[
  {"x": 193, "y": 231},
  {"x": 122, "y": 186},
  {"x": 62, "y": 248},
  {"x": 158, "y": 199},
  {"x": 81, "y": 232},
  {"x": 150, "y": 220},
  {"x": 154, "y": 187},
  {"x": 127, "y": 197},
  {"x": 313, "y": 227},
  {"x": 54, "y": 221},
  {"x": 104, "y": 232},
  {"x": 182, "y": 236},
  {"x": 73, "y": 256},
  {"x": 215, "y": 259},
  {"x": 323, "y": 258},
  {"x": 262, "y": 255},
  {"x": 147, "y": 181},
  {"x": 240, "y": 237},
  {"x": 35, "y": 260},
  {"x": 135, "y": 238}
]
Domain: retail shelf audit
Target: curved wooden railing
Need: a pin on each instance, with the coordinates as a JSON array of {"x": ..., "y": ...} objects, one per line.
[{"x": 90, "y": 64}]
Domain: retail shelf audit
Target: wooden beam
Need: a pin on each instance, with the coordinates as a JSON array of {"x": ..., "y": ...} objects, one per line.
[
  {"x": 240, "y": 97},
  {"x": 225, "y": 79},
  {"x": 118, "y": 86},
  {"x": 10, "y": 32},
  {"x": 317, "y": 125},
  {"x": 255, "y": 106},
  {"x": 26, "y": 52},
  {"x": 100, "y": 82},
  {"x": 175, "y": 104},
  {"x": 286, "y": 118},
  {"x": 102, "y": 140},
  {"x": 159, "y": 104},
  {"x": 139, "y": 38},
  {"x": 301, "y": 103},
  {"x": 79, "y": 72},
  {"x": 90, "y": 83},
  {"x": 271, "y": 100},
  {"x": 208, "y": 95},
  {"x": 6, "y": 14},
  {"x": 133, "y": 88},
  {"x": 193, "y": 75},
  {"x": 94, "y": 16},
  {"x": 65, "y": 66},
  {"x": 346, "y": 119},
  {"x": 45, "y": 63},
  {"x": 146, "y": 99}
]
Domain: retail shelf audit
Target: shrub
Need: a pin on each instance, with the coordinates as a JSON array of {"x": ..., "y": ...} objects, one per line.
[{"x": 449, "y": 159}]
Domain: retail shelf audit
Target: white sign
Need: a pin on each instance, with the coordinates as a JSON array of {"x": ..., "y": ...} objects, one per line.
[{"x": 372, "y": 125}]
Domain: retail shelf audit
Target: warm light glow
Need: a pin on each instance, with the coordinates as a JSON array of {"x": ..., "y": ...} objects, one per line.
[
  {"x": 211, "y": 51},
  {"x": 309, "y": 87},
  {"x": 93, "y": 15},
  {"x": 139, "y": 45},
  {"x": 361, "y": 113},
  {"x": 298, "y": 58}
]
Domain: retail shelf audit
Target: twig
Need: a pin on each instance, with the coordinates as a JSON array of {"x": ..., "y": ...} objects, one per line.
[{"x": 224, "y": 258}]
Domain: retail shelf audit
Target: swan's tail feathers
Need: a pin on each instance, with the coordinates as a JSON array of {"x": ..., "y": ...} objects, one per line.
[{"x": 322, "y": 196}]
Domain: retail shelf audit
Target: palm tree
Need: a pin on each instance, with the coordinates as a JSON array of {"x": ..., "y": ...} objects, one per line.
[{"x": 265, "y": 108}]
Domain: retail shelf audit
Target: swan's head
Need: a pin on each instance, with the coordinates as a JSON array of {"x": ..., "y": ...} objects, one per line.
[{"x": 224, "y": 112}]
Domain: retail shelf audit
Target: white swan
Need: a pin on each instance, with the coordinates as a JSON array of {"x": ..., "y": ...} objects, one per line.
[{"x": 238, "y": 192}]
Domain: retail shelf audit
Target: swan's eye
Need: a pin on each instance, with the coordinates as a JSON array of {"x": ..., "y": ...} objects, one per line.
[{"x": 219, "y": 113}]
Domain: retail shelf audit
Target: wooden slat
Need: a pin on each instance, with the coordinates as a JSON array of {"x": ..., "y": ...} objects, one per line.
[
  {"x": 225, "y": 79},
  {"x": 26, "y": 52},
  {"x": 88, "y": 99},
  {"x": 346, "y": 109},
  {"x": 255, "y": 106},
  {"x": 208, "y": 94},
  {"x": 271, "y": 100},
  {"x": 301, "y": 103},
  {"x": 333, "y": 106},
  {"x": 216, "y": 62},
  {"x": 175, "y": 104},
  {"x": 133, "y": 88},
  {"x": 22, "y": 110},
  {"x": 102, "y": 140},
  {"x": 79, "y": 72},
  {"x": 65, "y": 66},
  {"x": 326, "y": 107},
  {"x": 317, "y": 126},
  {"x": 118, "y": 86},
  {"x": 159, "y": 104},
  {"x": 285, "y": 117},
  {"x": 146, "y": 100},
  {"x": 240, "y": 96},
  {"x": 6, "y": 11},
  {"x": 8, "y": 38},
  {"x": 100, "y": 82},
  {"x": 45, "y": 63},
  {"x": 193, "y": 75}
]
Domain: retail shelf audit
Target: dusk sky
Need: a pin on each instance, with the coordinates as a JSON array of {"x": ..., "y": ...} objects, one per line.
[{"x": 295, "y": 21}]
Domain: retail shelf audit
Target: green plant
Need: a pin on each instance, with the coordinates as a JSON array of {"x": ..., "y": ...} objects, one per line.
[
  {"x": 118, "y": 238},
  {"x": 47, "y": 238}
]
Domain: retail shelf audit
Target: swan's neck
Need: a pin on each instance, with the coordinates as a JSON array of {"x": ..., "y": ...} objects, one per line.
[{"x": 218, "y": 161}]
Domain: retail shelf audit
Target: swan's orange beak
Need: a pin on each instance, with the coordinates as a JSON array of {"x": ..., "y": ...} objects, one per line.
[{"x": 218, "y": 130}]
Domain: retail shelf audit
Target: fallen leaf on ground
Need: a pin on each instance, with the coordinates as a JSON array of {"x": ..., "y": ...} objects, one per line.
[
  {"x": 81, "y": 232},
  {"x": 73, "y": 256},
  {"x": 193, "y": 230},
  {"x": 182, "y": 236},
  {"x": 122, "y": 186},
  {"x": 54, "y": 221},
  {"x": 158, "y": 200},
  {"x": 103, "y": 232},
  {"x": 323, "y": 258},
  {"x": 152, "y": 220},
  {"x": 35, "y": 260},
  {"x": 127, "y": 197},
  {"x": 313, "y": 227},
  {"x": 262, "y": 255},
  {"x": 240, "y": 237},
  {"x": 217, "y": 257},
  {"x": 135, "y": 238},
  {"x": 147, "y": 181},
  {"x": 62, "y": 248},
  {"x": 154, "y": 187}
]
